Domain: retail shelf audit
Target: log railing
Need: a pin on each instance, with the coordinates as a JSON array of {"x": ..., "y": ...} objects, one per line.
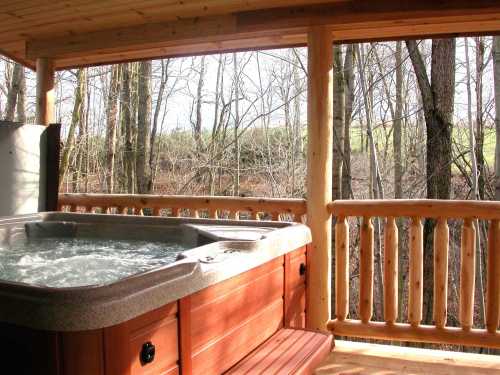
[
  {"x": 194, "y": 206},
  {"x": 413, "y": 330}
]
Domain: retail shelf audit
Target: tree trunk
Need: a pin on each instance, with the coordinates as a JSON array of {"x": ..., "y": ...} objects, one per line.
[
  {"x": 349, "y": 101},
  {"x": 338, "y": 121},
  {"x": 111, "y": 111},
  {"x": 144, "y": 185},
  {"x": 496, "y": 72},
  {"x": 438, "y": 100},
  {"x": 236, "y": 82},
  {"x": 126, "y": 120},
  {"x": 76, "y": 118},
  {"x": 14, "y": 90}
]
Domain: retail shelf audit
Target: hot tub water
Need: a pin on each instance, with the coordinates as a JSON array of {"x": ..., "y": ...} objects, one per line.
[{"x": 76, "y": 262}]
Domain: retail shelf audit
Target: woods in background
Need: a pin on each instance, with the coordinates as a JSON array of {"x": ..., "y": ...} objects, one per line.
[{"x": 412, "y": 119}]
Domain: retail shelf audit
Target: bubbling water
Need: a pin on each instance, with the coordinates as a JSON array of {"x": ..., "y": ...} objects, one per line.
[{"x": 76, "y": 262}]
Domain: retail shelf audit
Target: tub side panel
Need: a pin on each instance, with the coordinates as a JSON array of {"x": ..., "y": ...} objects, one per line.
[
  {"x": 295, "y": 288},
  {"x": 231, "y": 318},
  {"x": 124, "y": 343}
]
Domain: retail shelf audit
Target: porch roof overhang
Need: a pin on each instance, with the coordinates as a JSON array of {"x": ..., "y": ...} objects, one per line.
[{"x": 91, "y": 32}]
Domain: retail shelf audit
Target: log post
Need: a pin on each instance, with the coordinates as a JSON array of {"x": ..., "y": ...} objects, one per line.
[
  {"x": 319, "y": 174},
  {"x": 44, "y": 91}
]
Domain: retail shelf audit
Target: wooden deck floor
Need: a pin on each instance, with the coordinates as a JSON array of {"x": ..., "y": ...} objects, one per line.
[{"x": 350, "y": 358}]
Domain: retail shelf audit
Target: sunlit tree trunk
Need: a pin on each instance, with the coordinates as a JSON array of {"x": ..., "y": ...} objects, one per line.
[
  {"x": 496, "y": 72},
  {"x": 14, "y": 91},
  {"x": 76, "y": 118},
  {"x": 338, "y": 112},
  {"x": 349, "y": 101},
  {"x": 111, "y": 118},
  {"x": 126, "y": 122},
  {"x": 438, "y": 103},
  {"x": 144, "y": 184}
]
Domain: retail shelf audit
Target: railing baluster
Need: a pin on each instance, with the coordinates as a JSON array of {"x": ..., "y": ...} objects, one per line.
[
  {"x": 234, "y": 215},
  {"x": 341, "y": 268},
  {"x": 195, "y": 214},
  {"x": 212, "y": 213},
  {"x": 390, "y": 270},
  {"x": 493, "y": 277},
  {"x": 366, "y": 271},
  {"x": 441, "y": 245},
  {"x": 416, "y": 272},
  {"x": 467, "y": 274}
]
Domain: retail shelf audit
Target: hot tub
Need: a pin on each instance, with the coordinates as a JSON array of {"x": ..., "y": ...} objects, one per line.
[{"x": 106, "y": 294}]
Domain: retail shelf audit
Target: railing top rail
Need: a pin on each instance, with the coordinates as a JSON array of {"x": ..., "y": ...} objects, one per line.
[
  {"x": 296, "y": 206},
  {"x": 426, "y": 208}
]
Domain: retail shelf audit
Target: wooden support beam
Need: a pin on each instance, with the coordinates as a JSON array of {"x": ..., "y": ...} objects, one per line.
[
  {"x": 265, "y": 28},
  {"x": 319, "y": 174},
  {"x": 44, "y": 91}
]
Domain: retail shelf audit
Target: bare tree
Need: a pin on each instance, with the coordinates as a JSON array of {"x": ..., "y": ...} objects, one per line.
[
  {"x": 144, "y": 184},
  {"x": 111, "y": 118},
  {"x": 438, "y": 101}
]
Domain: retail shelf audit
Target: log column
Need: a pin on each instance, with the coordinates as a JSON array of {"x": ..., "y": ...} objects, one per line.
[
  {"x": 44, "y": 91},
  {"x": 319, "y": 175}
]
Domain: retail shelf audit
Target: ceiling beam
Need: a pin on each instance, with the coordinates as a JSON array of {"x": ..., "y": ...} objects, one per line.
[{"x": 349, "y": 21}]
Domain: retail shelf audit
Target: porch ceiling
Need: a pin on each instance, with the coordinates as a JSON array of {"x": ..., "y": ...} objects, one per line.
[{"x": 88, "y": 32}]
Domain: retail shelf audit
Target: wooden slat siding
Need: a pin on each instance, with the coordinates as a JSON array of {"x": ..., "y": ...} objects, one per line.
[
  {"x": 341, "y": 268},
  {"x": 390, "y": 270},
  {"x": 493, "y": 277},
  {"x": 117, "y": 350},
  {"x": 287, "y": 352},
  {"x": 161, "y": 328},
  {"x": 416, "y": 270},
  {"x": 228, "y": 310},
  {"x": 467, "y": 274},
  {"x": 295, "y": 207},
  {"x": 185, "y": 342},
  {"x": 236, "y": 315},
  {"x": 366, "y": 271},
  {"x": 235, "y": 344},
  {"x": 426, "y": 208},
  {"x": 210, "y": 294},
  {"x": 441, "y": 245},
  {"x": 420, "y": 333},
  {"x": 295, "y": 289},
  {"x": 73, "y": 344}
]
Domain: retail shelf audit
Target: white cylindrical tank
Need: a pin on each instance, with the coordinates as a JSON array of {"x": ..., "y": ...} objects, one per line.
[{"x": 22, "y": 168}]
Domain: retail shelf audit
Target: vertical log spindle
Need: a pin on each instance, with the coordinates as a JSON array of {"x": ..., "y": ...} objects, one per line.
[
  {"x": 390, "y": 270},
  {"x": 493, "y": 278},
  {"x": 467, "y": 274},
  {"x": 416, "y": 272},
  {"x": 441, "y": 245},
  {"x": 366, "y": 271},
  {"x": 341, "y": 268}
]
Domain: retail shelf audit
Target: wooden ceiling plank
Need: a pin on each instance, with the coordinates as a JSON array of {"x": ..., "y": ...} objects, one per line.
[{"x": 240, "y": 25}]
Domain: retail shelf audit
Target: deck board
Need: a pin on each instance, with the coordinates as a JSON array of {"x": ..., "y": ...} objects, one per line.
[{"x": 349, "y": 358}]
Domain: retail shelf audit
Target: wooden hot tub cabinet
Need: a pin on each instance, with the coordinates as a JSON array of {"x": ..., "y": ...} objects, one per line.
[{"x": 207, "y": 332}]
